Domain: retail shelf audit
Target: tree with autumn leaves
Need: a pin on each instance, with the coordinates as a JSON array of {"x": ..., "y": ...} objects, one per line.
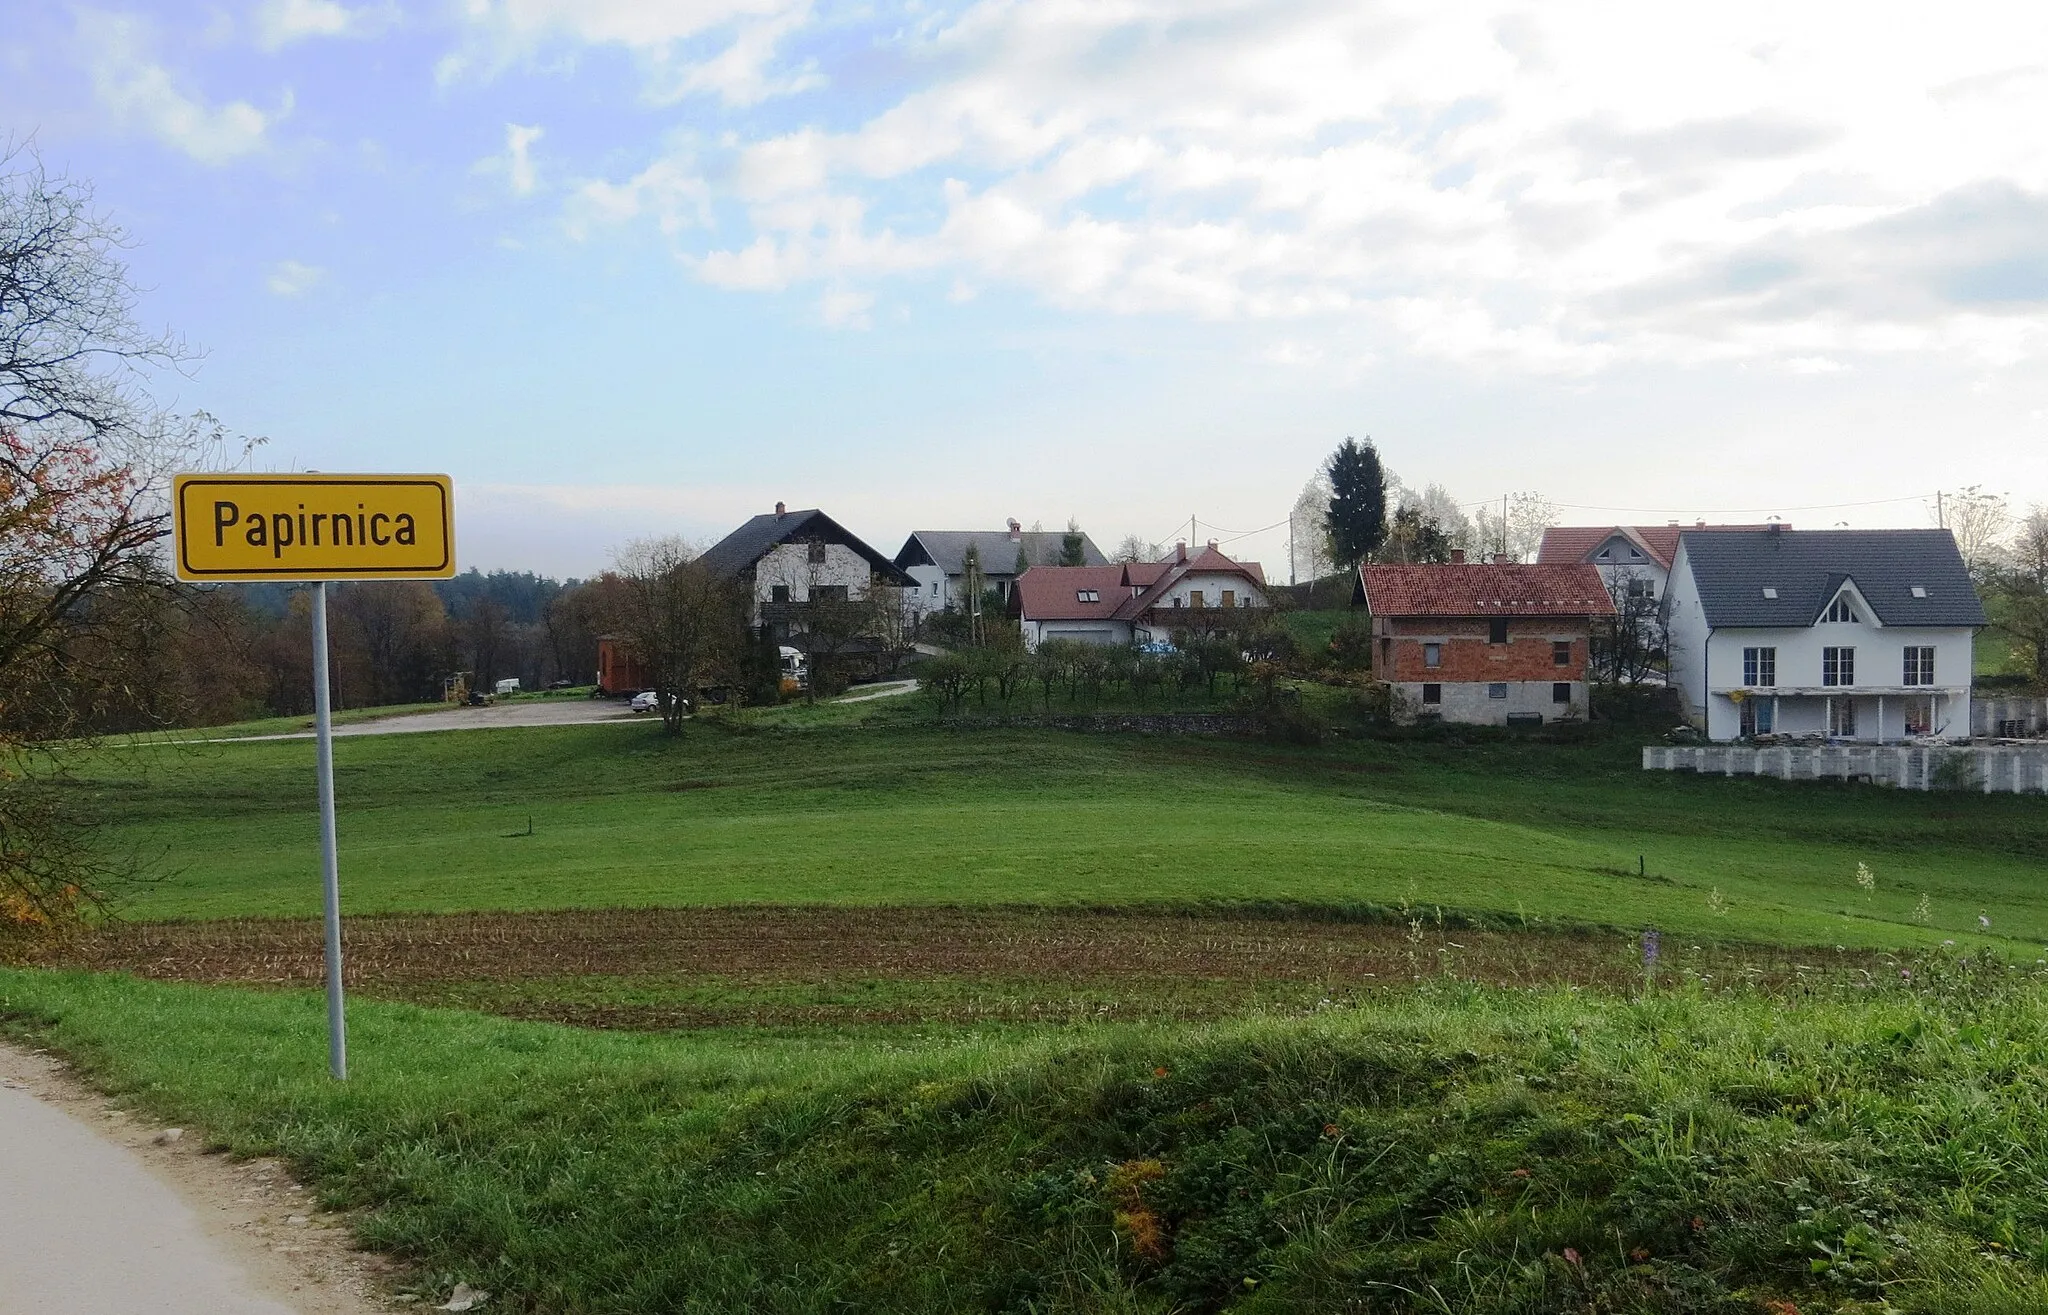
[{"x": 84, "y": 462}]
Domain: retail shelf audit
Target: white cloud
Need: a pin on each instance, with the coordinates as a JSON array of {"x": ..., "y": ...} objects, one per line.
[
  {"x": 141, "y": 92},
  {"x": 279, "y": 23},
  {"x": 844, "y": 308},
  {"x": 290, "y": 278},
  {"x": 1556, "y": 192},
  {"x": 726, "y": 48}
]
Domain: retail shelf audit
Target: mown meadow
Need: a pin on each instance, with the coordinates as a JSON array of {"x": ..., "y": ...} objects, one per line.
[{"x": 886, "y": 808}]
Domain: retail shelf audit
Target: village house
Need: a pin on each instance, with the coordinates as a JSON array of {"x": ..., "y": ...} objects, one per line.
[
  {"x": 1494, "y": 643},
  {"x": 1844, "y": 634},
  {"x": 783, "y": 559},
  {"x": 1633, "y": 560},
  {"x": 937, "y": 561},
  {"x": 1138, "y": 602}
]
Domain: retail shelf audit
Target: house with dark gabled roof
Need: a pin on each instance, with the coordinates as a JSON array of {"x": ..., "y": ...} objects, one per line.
[
  {"x": 1485, "y": 643},
  {"x": 1138, "y": 602},
  {"x": 938, "y": 561},
  {"x": 784, "y": 558},
  {"x": 1864, "y": 635}
]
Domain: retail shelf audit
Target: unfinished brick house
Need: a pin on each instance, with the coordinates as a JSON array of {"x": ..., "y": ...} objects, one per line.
[{"x": 1490, "y": 644}]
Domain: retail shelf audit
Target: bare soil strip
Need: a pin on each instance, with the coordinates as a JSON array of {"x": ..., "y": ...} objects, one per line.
[{"x": 464, "y": 958}]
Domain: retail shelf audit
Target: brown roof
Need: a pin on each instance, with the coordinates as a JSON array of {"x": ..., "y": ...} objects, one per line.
[
  {"x": 1511, "y": 589},
  {"x": 1578, "y": 543}
]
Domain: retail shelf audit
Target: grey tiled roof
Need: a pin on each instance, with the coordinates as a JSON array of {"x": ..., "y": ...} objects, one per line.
[
  {"x": 947, "y": 550},
  {"x": 751, "y": 542},
  {"x": 1807, "y": 567}
]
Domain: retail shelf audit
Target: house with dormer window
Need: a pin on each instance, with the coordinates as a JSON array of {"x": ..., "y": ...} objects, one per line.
[
  {"x": 1633, "y": 560},
  {"x": 1859, "y": 635},
  {"x": 1190, "y": 593}
]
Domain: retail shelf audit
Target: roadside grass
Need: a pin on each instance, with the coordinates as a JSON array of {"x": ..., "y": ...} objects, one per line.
[
  {"x": 294, "y": 725},
  {"x": 1457, "y": 1149},
  {"x": 864, "y": 804}
]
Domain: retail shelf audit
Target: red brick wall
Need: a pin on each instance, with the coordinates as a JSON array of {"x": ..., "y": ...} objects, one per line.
[{"x": 1468, "y": 656}]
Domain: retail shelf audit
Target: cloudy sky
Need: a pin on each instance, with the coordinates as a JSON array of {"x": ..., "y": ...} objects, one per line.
[{"x": 625, "y": 266}]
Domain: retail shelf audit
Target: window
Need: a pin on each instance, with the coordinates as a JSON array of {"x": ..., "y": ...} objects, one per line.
[
  {"x": 1497, "y": 631},
  {"x": 1840, "y": 609},
  {"x": 1759, "y": 666},
  {"x": 1842, "y": 717},
  {"x": 1194, "y": 598},
  {"x": 1432, "y": 694},
  {"x": 1230, "y": 598},
  {"x": 1920, "y": 716},
  {"x": 1919, "y": 666},
  {"x": 1770, "y": 592},
  {"x": 828, "y": 593},
  {"x": 1919, "y": 591},
  {"x": 1838, "y": 666},
  {"x": 778, "y": 593},
  {"x": 935, "y": 588},
  {"x": 1642, "y": 589},
  {"x": 1087, "y": 596},
  {"x": 1497, "y": 690},
  {"x": 1432, "y": 655},
  {"x": 817, "y": 553},
  {"x": 1561, "y": 692},
  {"x": 1560, "y": 652},
  {"x": 1759, "y": 716}
]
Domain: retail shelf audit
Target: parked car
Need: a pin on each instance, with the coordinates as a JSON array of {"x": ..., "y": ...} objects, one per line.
[
  {"x": 561, "y": 682},
  {"x": 646, "y": 701}
]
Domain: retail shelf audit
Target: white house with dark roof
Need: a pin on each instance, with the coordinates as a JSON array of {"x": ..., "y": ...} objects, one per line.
[
  {"x": 937, "y": 561},
  {"x": 1633, "y": 560},
  {"x": 1864, "y": 635},
  {"x": 784, "y": 558},
  {"x": 1137, "y": 603}
]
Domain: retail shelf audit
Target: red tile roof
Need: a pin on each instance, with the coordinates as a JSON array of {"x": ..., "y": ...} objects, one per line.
[
  {"x": 1052, "y": 593},
  {"x": 1578, "y": 543},
  {"x": 1513, "y": 589}
]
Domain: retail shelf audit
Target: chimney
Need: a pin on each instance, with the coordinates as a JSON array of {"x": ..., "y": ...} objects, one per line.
[
  {"x": 1674, "y": 525},
  {"x": 1502, "y": 559},
  {"x": 780, "y": 511},
  {"x": 1699, "y": 525},
  {"x": 1016, "y": 530},
  {"x": 1457, "y": 556},
  {"x": 1180, "y": 552},
  {"x": 1212, "y": 543}
]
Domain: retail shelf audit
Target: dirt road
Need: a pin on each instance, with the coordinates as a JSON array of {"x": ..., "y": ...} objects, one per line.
[
  {"x": 550, "y": 712},
  {"x": 102, "y": 1212}
]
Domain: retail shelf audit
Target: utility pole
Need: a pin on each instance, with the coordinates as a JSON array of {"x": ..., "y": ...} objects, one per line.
[{"x": 1940, "y": 513}]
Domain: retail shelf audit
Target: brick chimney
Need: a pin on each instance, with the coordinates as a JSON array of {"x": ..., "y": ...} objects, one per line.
[
  {"x": 1016, "y": 530},
  {"x": 780, "y": 511},
  {"x": 1502, "y": 559},
  {"x": 1457, "y": 556},
  {"x": 1180, "y": 553}
]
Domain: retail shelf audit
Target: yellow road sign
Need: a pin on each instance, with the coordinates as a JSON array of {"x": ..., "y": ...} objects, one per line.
[{"x": 313, "y": 527}]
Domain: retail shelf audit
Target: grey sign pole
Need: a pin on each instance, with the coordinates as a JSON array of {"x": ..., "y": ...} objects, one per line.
[{"x": 330, "y": 873}]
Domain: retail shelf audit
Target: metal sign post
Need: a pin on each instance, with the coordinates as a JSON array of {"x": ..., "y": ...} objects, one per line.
[
  {"x": 314, "y": 528},
  {"x": 330, "y": 865}
]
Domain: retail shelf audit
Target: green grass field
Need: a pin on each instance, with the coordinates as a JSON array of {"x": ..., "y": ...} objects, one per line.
[
  {"x": 821, "y": 805},
  {"x": 1854, "y": 1134},
  {"x": 1864, "y": 1150}
]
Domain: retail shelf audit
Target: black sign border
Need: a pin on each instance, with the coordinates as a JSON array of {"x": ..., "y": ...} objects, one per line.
[{"x": 298, "y": 573}]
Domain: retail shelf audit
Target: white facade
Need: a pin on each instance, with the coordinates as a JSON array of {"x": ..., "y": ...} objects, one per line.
[
  {"x": 1104, "y": 631},
  {"x": 1622, "y": 559},
  {"x": 1729, "y": 696},
  {"x": 789, "y": 571}
]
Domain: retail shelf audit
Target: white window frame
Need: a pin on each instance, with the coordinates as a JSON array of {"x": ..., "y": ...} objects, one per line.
[
  {"x": 1760, "y": 666},
  {"x": 1838, "y": 666},
  {"x": 1919, "y": 665}
]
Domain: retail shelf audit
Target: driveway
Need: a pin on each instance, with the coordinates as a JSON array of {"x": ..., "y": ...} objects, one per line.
[{"x": 540, "y": 712}]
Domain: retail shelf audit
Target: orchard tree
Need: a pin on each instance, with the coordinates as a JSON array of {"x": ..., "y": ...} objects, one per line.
[{"x": 1357, "y": 518}]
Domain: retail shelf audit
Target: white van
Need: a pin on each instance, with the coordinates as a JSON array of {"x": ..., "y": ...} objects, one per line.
[{"x": 509, "y": 685}]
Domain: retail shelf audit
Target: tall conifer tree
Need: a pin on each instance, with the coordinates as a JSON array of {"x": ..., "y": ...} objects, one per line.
[{"x": 1358, "y": 501}]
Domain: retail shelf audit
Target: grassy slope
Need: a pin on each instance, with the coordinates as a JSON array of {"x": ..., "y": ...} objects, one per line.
[
  {"x": 1455, "y": 1151},
  {"x": 828, "y": 808}
]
